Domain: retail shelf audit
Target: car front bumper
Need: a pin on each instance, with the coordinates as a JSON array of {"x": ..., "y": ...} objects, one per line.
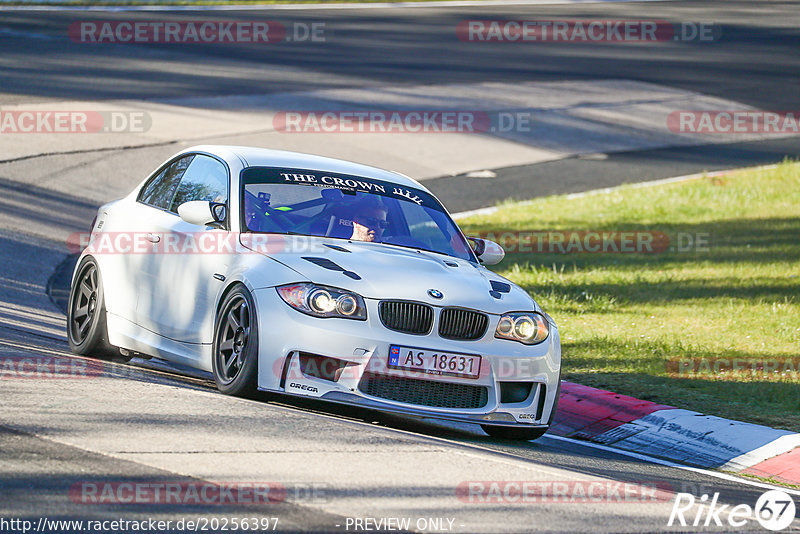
[{"x": 361, "y": 348}]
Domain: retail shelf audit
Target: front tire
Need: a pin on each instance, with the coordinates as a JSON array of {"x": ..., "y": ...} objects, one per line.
[
  {"x": 235, "y": 362},
  {"x": 87, "y": 331},
  {"x": 527, "y": 434}
]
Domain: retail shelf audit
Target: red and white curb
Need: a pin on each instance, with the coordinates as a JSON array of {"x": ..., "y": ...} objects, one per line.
[{"x": 682, "y": 436}]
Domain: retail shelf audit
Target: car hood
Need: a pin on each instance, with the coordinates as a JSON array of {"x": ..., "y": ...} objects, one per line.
[{"x": 379, "y": 271}]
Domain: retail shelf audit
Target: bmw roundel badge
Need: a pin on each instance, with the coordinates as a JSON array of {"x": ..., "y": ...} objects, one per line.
[{"x": 435, "y": 293}]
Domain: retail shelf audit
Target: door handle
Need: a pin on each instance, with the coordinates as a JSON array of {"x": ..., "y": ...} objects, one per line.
[{"x": 153, "y": 238}]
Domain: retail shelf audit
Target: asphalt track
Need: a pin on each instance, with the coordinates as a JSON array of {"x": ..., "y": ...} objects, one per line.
[
  {"x": 56, "y": 433},
  {"x": 752, "y": 60}
]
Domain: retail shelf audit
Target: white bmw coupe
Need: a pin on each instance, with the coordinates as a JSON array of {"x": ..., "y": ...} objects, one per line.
[{"x": 310, "y": 276}]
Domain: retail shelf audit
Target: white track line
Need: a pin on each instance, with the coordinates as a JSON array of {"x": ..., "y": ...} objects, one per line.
[{"x": 314, "y": 7}]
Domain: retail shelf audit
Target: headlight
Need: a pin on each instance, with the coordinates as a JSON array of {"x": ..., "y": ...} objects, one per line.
[
  {"x": 320, "y": 301},
  {"x": 323, "y": 301},
  {"x": 529, "y": 328}
]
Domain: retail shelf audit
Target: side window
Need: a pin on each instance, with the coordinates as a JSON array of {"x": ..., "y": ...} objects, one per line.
[
  {"x": 161, "y": 189},
  {"x": 205, "y": 179}
]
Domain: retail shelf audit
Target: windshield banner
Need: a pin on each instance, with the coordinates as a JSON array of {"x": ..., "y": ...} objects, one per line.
[{"x": 347, "y": 184}]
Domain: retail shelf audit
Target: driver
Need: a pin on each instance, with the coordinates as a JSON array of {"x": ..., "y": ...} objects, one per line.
[{"x": 369, "y": 220}]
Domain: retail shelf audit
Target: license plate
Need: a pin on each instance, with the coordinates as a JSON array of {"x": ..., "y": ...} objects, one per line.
[{"x": 434, "y": 362}]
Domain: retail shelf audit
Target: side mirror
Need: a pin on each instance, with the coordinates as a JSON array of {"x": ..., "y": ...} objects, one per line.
[
  {"x": 488, "y": 252},
  {"x": 203, "y": 213}
]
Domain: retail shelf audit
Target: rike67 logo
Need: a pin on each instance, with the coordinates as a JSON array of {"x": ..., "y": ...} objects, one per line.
[{"x": 774, "y": 510}]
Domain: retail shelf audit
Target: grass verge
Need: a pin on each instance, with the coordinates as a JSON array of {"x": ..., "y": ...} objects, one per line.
[{"x": 692, "y": 300}]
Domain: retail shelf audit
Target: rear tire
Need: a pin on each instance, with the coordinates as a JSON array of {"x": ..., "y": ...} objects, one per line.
[
  {"x": 235, "y": 361},
  {"x": 87, "y": 331}
]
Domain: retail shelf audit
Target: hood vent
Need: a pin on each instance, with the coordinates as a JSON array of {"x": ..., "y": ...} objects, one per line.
[
  {"x": 336, "y": 247},
  {"x": 498, "y": 288},
  {"x": 331, "y": 265}
]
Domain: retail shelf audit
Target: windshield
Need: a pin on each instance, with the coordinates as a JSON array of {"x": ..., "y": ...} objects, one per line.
[{"x": 316, "y": 203}]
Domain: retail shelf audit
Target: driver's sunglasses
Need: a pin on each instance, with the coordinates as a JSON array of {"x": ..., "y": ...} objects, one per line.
[{"x": 373, "y": 222}]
